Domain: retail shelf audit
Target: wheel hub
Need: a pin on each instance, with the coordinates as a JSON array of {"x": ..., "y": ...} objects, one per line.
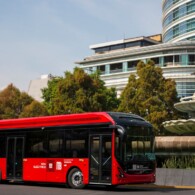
[{"x": 77, "y": 178}]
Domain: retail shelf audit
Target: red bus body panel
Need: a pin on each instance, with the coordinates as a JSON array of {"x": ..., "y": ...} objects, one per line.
[
  {"x": 127, "y": 178},
  {"x": 3, "y": 167},
  {"x": 59, "y": 120},
  {"x": 53, "y": 169}
]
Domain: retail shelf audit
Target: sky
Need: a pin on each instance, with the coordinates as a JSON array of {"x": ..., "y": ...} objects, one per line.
[{"x": 39, "y": 37}]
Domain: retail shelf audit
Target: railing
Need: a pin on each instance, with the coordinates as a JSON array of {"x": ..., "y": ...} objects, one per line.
[
  {"x": 116, "y": 70},
  {"x": 165, "y": 64}
]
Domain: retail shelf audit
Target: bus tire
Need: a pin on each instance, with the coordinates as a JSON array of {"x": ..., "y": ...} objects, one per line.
[
  {"x": 111, "y": 187},
  {"x": 75, "y": 179}
]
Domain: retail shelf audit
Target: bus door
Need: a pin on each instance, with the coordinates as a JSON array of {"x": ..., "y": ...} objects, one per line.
[
  {"x": 100, "y": 159},
  {"x": 15, "y": 151}
]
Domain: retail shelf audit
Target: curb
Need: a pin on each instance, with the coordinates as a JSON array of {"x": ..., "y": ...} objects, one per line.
[{"x": 160, "y": 186}]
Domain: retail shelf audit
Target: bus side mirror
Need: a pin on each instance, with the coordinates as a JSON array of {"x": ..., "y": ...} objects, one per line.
[{"x": 121, "y": 131}]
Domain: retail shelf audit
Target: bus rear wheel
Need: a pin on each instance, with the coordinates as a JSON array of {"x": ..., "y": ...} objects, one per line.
[{"x": 75, "y": 179}]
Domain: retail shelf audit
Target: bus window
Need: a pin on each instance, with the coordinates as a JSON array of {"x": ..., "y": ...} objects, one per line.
[
  {"x": 2, "y": 147},
  {"x": 135, "y": 153},
  {"x": 36, "y": 145},
  {"x": 76, "y": 143},
  {"x": 55, "y": 143}
]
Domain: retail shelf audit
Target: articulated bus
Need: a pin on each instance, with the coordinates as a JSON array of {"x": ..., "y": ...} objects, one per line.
[{"x": 106, "y": 148}]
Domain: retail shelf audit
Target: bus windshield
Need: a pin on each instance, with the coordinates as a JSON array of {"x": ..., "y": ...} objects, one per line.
[
  {"x": 135, "y": 151},
  {"x": 139, "y": 141}
]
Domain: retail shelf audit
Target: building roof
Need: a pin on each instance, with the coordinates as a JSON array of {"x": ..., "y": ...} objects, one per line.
[
  {"x": 137, "y": 51},
  {"x": 151, "y": 39}
]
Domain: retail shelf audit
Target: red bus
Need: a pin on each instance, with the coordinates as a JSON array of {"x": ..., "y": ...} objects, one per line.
[{"x": 106, "y": 148}]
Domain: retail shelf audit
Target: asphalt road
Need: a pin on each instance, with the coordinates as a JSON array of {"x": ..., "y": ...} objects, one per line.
[{"x": 42, "y": 189}]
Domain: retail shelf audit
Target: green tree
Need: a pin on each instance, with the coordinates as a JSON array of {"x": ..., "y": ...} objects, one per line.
[
  {"x": 15, "y": 104},
  {"x": 12, "y": 102},
  {"x": 78, "y": 92},
  {"x": 50, "y": 96},
  {"x": 150, "y": 95},
  {"x": 34, "y": 109}
]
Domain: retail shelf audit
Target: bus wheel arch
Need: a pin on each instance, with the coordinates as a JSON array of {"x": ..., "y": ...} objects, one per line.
[{"x": 75, "y": 178}]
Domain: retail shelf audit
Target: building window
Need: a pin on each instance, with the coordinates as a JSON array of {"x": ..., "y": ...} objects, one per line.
[
  {"x": 185, "y": 89},
  {"x": 176, "y": 30},
  {"x": 179, "y": 29},
  {"x": 119, "y": 46},
  {"x": 102, "y": 49},
  {"x": 132, "y": 65},
  {"x": 156, "y": 61},
  {"x": 192, "y": 59},
  {"x": 133, "y": 44},
  {"x": 177, "y": 60},
  {"x": 191, "y": 25},
  {"x": 179, "y": 12},
  {"x": 116, "y": 68},
  {"x": 168, "y": 60},
  {"x": 169, "y": 3},
  {"x": 190, "y": 7},
  {"x": 102, "y": 69}
]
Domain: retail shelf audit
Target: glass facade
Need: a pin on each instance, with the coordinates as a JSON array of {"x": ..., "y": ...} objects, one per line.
[
  {"x": 169, "y": 3},
  {"x": 185, "y": 88},
  {"x": 178, "y": 22},
  {"x": 179, "y": 29},
  {"x": 179, "y": 12}
]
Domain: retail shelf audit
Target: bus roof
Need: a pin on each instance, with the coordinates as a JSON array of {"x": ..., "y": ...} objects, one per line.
[
  {"x": 128, "y": 119},
  {"x": 94, "y": 118}
]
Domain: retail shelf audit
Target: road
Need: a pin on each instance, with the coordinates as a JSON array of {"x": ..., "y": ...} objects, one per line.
[{"x": 42, "y": 189}]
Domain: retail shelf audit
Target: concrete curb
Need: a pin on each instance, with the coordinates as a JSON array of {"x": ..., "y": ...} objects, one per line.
[{"x": 160, "y": 186}]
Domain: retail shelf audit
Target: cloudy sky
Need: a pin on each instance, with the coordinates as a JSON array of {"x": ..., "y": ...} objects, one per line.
[{"x": 47, "y": 36}]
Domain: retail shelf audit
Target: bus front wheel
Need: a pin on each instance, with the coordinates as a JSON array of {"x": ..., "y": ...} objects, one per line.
[{"x": 75, "y": 179}]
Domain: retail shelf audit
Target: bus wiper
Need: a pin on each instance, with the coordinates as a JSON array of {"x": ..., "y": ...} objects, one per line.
[{"x": 107, "y": 160}]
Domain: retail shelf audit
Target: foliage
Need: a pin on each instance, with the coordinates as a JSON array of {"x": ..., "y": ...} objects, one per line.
[
  {"x": 50, "y": 95},
  {"x": 78, "y": 92},
  {"x": 13, "y": 103},
  {"x": 150, "y": 95},
  {"x": 181, "y": 162},
  {"x": 34, "y": 109}
]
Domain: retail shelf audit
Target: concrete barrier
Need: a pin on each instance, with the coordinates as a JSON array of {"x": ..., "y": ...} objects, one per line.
[{"x": 175, "y": 177}]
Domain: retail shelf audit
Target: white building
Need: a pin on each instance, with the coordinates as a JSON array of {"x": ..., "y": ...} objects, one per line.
[
  {"x": 118, "y": 59},
  {"x": 37, "y": 85},
  {"x": 176, "y": 59}
]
